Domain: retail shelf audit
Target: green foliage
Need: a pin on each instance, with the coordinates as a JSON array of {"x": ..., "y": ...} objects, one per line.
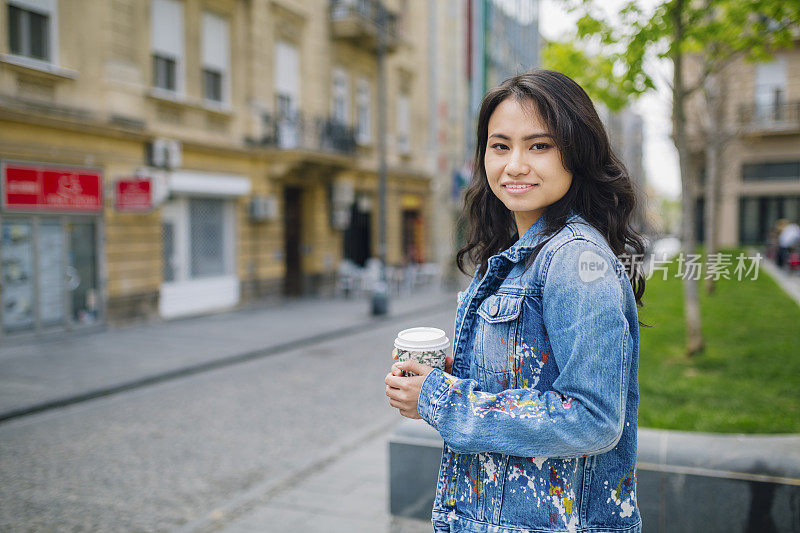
[
  {"x": 714, "y": 31},
  {"x": 593, "y": 73},
  {"x": 748, "y": 377}
]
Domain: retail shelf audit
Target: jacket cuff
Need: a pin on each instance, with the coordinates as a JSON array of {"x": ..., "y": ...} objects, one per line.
[{"x": 436, "y": 384}]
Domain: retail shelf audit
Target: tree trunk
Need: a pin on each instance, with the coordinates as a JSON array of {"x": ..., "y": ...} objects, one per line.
[
  {"x": 691, "y": 299},
  {"x": 714, "y": 140}
]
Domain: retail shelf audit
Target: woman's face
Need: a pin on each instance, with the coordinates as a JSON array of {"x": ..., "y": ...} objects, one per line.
[{"x": 522, "y": 163}]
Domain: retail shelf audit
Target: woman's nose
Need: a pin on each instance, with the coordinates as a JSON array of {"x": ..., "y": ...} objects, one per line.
[{"x": 517, "y": 166}]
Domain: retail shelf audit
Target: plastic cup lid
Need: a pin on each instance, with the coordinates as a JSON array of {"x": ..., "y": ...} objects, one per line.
[{"x": 420, "y": 339}]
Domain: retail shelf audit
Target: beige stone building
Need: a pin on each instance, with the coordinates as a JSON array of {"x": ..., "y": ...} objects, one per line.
[
  {"x": 451, "y": 128},
  {"x": 172, "y": 157},
  {"x": 761, "y": 163}
]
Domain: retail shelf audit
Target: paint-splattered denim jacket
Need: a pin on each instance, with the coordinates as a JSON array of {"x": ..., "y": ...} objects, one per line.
[{"x": 539, "y": 415}]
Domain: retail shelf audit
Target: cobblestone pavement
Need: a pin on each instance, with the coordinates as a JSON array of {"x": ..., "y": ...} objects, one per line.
[
  {"x": 45, "y": 371},
  {"x": 349, "y": 495},
  {"x": 165, "y": 457}
]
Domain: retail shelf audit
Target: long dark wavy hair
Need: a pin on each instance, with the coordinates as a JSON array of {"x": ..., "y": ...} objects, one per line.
[{"x": 601, "y": 192}]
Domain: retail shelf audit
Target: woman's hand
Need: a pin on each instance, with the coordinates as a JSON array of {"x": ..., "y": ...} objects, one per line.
[{"x": 403, "y": 391}]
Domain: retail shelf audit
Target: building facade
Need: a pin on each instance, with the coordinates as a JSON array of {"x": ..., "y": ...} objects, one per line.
[
  {"x": 502, "y": 40},
  {"x": 626, "y": 133},
  {"x": 760, "y": 178},
  {"x": 449, "y": 124},
  {"x": 164, "y": 158}
]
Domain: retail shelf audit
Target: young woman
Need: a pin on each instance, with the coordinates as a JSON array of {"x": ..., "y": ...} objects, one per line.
[{"x": 538, "y": 408}]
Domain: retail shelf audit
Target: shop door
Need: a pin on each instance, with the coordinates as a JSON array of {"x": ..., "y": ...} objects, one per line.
[
  {"x": 413, "y": 238},
  {"x": 49, "y": 273},
  {"x": 357, "y": 236},
  {"x": 82, "y": 271},
  {"x": 293, "y": 216},
  {"x": 54, "y": 278}
]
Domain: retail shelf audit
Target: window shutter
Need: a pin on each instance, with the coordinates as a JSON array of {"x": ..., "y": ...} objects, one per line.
[
  {"x": 287, "y": 72},
  {"x": 166, "y": 29}
]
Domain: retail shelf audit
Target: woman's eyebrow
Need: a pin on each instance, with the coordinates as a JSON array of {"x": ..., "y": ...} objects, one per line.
[{"x": 526, "y": 138}]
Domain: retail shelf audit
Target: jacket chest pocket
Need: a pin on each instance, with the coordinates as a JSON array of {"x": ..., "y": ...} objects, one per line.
[{"x": 499, "y": 317}]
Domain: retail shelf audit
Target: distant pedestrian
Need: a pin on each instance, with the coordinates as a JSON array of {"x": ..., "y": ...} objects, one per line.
[
  {"x": 538, "y": 409},
  {"x": 788, "y": 239}
]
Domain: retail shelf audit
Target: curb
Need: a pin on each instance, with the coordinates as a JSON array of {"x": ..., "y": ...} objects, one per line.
[
  {"x": 783, "y": 281},
  {"x": 764, "y": 458},
  {"x": 686, "y": 481},
  {"x": 211, "y": 365}
]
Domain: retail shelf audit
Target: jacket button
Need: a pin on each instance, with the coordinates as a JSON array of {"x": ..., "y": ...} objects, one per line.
[{"x": 493, "y": 309}]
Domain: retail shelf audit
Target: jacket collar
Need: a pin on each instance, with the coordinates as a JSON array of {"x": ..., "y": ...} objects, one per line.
[{"x": 525, "y": 244}]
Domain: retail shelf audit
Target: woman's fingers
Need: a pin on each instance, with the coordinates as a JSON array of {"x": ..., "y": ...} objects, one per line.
[
  {"x": 397, "y": 394},
  {"x": 414, "y": 367},
  {"x": 394, "y": 381}
]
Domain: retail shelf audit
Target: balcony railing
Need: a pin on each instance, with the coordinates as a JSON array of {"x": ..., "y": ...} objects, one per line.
[
  {"x": 778, "y": 118},
  {"x": 296, "y": 132},
  {"x": 361, "y": 21}
]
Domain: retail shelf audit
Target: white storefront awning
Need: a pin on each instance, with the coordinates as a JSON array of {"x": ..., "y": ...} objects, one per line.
[{"x": 196, "y": 183}]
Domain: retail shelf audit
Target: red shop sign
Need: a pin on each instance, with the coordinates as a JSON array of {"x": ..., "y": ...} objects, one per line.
[
  {"x": 134, "y": 194},
  {"x": 40, "y": 188}
]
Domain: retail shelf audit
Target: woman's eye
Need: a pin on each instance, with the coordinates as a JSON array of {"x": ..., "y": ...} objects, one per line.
[
  {"x": 540, "y": 146},
  {"x": 499, "y": 146}
]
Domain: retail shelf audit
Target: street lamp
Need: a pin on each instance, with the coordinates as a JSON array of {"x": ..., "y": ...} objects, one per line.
[{"x": 380, "y": 293}]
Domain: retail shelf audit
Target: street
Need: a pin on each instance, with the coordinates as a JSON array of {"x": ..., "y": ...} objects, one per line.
[{"x": 165, "y": 456}]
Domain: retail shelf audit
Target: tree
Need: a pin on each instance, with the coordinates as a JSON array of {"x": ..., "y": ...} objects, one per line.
[{"x": 699, "y": 39}]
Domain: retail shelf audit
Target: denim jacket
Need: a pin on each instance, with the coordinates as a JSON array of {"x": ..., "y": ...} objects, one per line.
[{"x": 540, "y": 412}]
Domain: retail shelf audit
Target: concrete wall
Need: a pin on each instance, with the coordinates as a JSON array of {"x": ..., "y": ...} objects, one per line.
[{"x": 686, "y": 482}]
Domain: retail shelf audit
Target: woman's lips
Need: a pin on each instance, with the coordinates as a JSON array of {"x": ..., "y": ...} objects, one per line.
[{"x": 519, "y": 188}]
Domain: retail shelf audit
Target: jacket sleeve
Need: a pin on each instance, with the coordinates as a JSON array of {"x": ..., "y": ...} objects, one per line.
[{"x": 584, "y": 412}]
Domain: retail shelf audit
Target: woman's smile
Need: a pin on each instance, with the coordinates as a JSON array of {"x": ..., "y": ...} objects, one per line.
[{"x": 519, "y": 188}]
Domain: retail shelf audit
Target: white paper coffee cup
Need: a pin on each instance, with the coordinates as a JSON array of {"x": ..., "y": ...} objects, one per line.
[{"x": 425, "y": 345}]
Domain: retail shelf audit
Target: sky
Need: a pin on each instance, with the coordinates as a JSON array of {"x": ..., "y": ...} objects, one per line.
[{"x": 660, "y": 156}]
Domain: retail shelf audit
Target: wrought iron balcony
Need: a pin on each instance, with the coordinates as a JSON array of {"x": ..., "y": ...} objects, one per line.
[
  {"x": 316, "y": 134},
  {"x": 779, "y": 118},
  {"x": 361, "y": 21}
]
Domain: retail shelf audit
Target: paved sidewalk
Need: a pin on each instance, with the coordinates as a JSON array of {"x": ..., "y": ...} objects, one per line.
[
  {"x": 50, "y": 372},
  {"x": 790, "y": 282},
  {"x": 349, "y": 495}
]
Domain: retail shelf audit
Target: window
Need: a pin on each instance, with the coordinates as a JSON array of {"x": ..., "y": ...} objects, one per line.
[
  {"x": 164, "y": 73},
  {"x": 749, "y": 220},
  {"x": 758, "y": 214},
  {"x": 197, "y": 236},
  {"x": 212, "y": 85},
  {"x": 166, "y": 38},
  {"x": 168, "y": 249},
  {"x": 770, "y": 89},
  {"x": 364, "y": 117},
  {"x": 216, "y": 57},
  {"x": 31, "y": 29},
  {"x": 403, "y": 124},
  {"x": 287, "y": 75},
  {"x": 341, "y": 92},
  {"x": 782, "y": 170},
  {"x": 207, "y": 237},
  {"x": 287, "y": 94}
]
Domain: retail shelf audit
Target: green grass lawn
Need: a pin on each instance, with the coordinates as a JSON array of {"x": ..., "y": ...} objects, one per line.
[{"x": 748, "y": 377}]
